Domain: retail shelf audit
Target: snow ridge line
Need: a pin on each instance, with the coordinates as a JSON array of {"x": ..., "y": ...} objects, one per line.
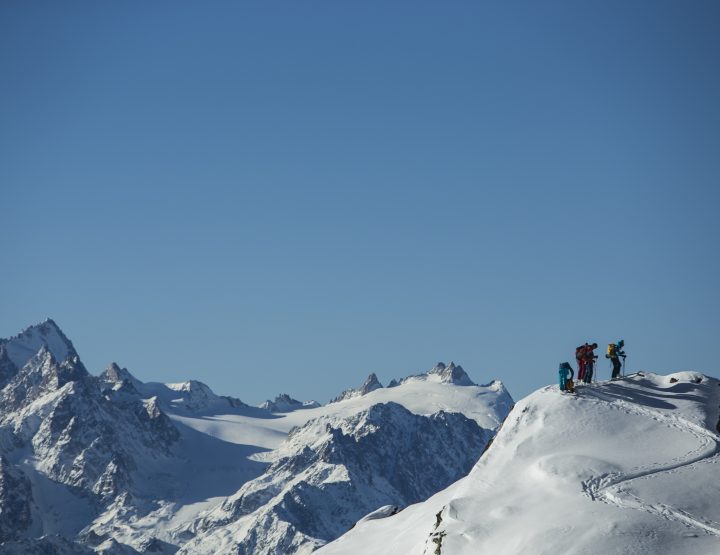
[{"x": 598, "y": 488}]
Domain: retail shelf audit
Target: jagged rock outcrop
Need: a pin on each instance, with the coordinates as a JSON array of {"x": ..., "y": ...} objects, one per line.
[{"x": 370, "y": 384}]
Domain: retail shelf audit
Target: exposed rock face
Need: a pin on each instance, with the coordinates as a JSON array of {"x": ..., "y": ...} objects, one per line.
[
  {"x": 370, "y": 384},
  {"x": 15, "y": 502},
  {"x": 451, "y": 374}
]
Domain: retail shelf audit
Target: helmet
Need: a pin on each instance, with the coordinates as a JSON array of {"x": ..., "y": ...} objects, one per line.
[{"x": 621, "y": 342}]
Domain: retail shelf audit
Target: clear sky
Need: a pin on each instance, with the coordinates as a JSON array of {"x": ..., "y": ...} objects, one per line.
[{"x": 285, "y": 196}]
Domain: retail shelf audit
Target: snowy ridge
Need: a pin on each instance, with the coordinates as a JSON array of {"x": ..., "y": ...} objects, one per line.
[{"x": 626, "y": 466}]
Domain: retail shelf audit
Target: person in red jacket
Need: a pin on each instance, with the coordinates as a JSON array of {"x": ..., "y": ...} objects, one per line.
[
  {"x": 590, "y": 358},
  {"x": 581, "y": 360}
]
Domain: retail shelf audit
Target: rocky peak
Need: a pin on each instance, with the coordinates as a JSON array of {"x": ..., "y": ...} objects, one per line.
[
  {"x": 444, "y": 373},
  {"x": 370, "y": 384},
  {"x": 285, "y": 403},
  {"x": 21, "y": 348},
  {"x": 120, "y": 380},
  {"x": 157, "y": 422},
  {"x": 451, "y": 374},
  {"x": 42, "y": 374},
  {"x": 152, "y": 408},
  {"x": 113, "y": 373}
]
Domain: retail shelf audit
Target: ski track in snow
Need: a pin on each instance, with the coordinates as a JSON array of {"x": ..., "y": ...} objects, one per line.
[{"x": 608, "y": 487}]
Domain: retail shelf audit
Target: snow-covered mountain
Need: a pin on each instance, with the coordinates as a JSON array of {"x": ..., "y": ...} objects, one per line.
[
  {"x": 332, "y": 471},
  {"x": 285, "y": 403},
  {"x": 629, "y": 466},
  {"x": 123, "y": 466}
]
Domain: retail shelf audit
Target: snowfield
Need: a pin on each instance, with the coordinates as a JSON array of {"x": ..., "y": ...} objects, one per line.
[{"x": 630, "y": 466}]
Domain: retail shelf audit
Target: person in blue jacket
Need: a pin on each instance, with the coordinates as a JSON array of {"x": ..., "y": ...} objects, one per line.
[{"x": 565, "y": 372}]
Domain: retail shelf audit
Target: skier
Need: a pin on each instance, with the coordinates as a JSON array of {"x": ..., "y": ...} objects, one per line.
[
  {"x": 614, "y": 352},
  {"x": 566, "y": 384},
  {"x": 580, "y": 357},
  {"x": 590, "y": 358}
]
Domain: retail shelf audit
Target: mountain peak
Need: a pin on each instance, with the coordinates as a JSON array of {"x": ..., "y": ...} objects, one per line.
[
  {"x": 371, "y": 383},
  {"x": 451, "y": 373},
  {"x": 20, "y": 348},
  {"x": 285, "y": 403},
  {"x": 444, "y": 373},
  {"x": 116, "y": 375}
]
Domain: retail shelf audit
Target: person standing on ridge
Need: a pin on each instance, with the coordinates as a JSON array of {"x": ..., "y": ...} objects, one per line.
[
  {"x": 614, "y": 352},
  {"x": 590, "y": 358},
  {"x": 566, "y": 383},
  {"x": 580, "y": 357}
]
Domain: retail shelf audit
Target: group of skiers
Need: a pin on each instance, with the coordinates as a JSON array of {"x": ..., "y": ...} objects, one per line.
[{"x": 586, "y": 357}]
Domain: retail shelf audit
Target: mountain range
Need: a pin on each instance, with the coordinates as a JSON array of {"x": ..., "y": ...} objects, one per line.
[
  {"x": 107, "y": 463},
  {"x": 430, "y": 464}
]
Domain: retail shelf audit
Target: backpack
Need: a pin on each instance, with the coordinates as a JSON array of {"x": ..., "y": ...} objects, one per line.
[
  {"x": 611, "y": 352},
  {"x": 580, "y": 352}
]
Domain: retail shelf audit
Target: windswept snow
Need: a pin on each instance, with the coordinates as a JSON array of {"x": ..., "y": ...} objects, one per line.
[{"x": 624, "y": 467}]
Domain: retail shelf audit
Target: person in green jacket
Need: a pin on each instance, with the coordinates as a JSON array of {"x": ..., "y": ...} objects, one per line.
[{"x": 614, "y": 352}]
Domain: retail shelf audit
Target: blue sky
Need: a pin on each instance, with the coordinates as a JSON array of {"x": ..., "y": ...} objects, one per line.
[{"x": 284, "y": 197}]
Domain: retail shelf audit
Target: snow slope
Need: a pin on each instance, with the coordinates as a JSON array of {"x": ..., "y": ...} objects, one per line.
[{"x": 630, "y": 466}]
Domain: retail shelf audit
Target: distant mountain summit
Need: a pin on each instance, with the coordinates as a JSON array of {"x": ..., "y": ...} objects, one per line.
[
  {"x": 16, "y": 351},
  {"x": 370, "y": 384},
  {"x": 451, "y": 374},
  {"x": 285, "y": 403}
]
